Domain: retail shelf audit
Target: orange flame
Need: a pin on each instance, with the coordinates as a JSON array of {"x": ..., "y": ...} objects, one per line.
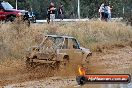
[{"x": 82, "y": 70}]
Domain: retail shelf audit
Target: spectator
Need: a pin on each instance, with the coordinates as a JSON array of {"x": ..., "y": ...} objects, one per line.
[
  {"x": 101, "y": 11},
  {"x": 48, "y": 15},
  {"x": 52, "y": 11},
  {"x": 106, "y": 12},
  {"x": 109, "y": 12},
  {"x": 61, "y": 11}
]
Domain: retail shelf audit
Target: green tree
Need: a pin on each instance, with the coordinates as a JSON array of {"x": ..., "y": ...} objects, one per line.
[{"x": 89, "y": 8}]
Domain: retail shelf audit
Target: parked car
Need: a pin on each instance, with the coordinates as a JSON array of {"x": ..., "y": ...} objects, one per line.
[
  {"x": 8, "y": 13},
  {"x": 56, "y": 51}
]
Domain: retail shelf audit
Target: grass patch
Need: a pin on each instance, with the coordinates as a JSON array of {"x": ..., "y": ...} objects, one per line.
[{"x": 96, "y": 35}]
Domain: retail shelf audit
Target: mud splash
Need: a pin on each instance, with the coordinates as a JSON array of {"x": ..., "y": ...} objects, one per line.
[{"x": 115, "y": 61}]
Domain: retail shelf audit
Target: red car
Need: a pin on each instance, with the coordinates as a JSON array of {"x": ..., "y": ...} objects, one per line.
[{"x": 7, "y": 13}]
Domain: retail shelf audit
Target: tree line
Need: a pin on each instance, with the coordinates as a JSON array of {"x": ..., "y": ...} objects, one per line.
[{"x": 88, "y": 8}]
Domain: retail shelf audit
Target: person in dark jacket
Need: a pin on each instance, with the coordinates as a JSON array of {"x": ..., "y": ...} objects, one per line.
[
  {"x": 61, "y": 11},
  {"x": 48, "y": 15},
  {"x": 106, "y": 12},
  {"x": 52, "y": 11}
]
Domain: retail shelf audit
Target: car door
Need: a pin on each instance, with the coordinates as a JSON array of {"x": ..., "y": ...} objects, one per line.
[
  {"x": 2, "y": 13},
  {"x": 77, "y": 54},
  {"x": 71, "y": 47},
  {"x": 64, "y": 47}
]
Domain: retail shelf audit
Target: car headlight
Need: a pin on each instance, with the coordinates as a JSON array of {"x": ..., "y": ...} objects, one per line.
[{"x": 19, "y": 13}]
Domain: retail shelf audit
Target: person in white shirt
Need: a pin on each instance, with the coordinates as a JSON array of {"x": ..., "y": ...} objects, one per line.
[
  {"x": 109, "y": 12},
  {"x": 101, "y": 11}
]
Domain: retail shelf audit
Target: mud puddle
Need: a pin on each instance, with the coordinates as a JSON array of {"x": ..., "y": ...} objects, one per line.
[{"x": 115, "y": 61}]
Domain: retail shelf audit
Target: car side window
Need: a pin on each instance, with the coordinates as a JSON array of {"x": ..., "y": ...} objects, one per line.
[
  {"x": 73, "y": 43},
  {"x": 65, "y": 45}
]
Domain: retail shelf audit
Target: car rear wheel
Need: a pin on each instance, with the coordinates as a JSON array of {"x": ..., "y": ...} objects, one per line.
[
  {"x": 30, "y": 64},
  {"x": 65, "y": 62}
]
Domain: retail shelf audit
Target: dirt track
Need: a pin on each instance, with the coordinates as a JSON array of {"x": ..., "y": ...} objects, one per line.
[{"x": 114, "y": 61}]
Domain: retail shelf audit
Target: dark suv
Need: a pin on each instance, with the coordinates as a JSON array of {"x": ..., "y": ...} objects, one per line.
[{"x": 8, "y": 13}]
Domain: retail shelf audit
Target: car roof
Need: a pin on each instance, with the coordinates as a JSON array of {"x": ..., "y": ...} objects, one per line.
[{"x": 58, "y": 36}]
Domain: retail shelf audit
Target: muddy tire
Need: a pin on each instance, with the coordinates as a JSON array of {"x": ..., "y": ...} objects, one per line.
[
  {"x": 64, "y": 63},
  {"x": 30, "y": 65},
  {"x": 56, "y": 65}
]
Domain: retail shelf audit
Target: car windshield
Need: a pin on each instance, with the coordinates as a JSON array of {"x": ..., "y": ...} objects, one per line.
[{"x": 6, "y": 6}]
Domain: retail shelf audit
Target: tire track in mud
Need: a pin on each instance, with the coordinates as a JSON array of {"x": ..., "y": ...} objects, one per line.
[{"x": 115, "y": 61}]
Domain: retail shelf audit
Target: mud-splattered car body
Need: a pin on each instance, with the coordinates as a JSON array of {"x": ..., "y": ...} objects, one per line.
[{"x": 57, "y": 49}]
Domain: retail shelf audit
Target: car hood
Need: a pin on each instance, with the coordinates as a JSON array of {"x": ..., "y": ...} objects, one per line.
[
  {"x": 22, "y": 11},
  {"x": 85, "y": 50}
]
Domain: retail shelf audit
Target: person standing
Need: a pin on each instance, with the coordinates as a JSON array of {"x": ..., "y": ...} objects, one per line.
[
  {"x": 101, "y": 11},
  {"x": 48, "y": 15},
  {"x": 109, "y": 12},
  {"x": 52, "y": 11},
  {"x": 61, "y": 11},
  {"x": 106, "y": 12}
]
